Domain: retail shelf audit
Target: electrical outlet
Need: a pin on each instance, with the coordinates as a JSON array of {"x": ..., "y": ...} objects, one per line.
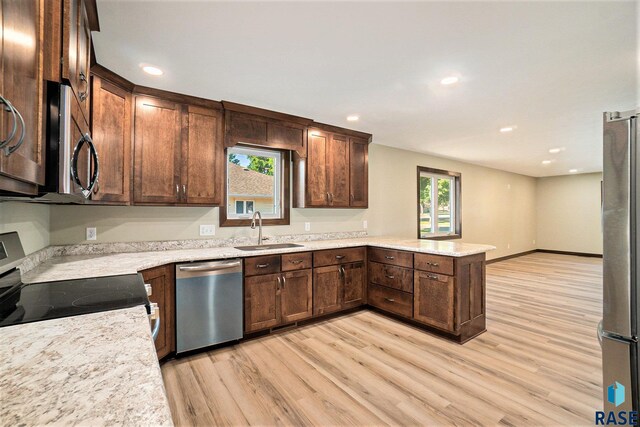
[
  {"x": 207, "y": 230},
  {"x": 307, "y": 226},
  {"x": 365, "y": 225},
  {"x": 92, "y": 234}
]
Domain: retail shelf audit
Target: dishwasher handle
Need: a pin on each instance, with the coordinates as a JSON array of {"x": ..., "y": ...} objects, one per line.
[{"x": 211, "y": 266}]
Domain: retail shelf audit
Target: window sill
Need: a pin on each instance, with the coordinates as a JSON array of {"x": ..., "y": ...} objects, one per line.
[
  {"x": 443, "y": 237},
  {"x": 247, "y": 222}
]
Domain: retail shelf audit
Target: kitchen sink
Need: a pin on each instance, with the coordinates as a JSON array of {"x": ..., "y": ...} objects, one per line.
[{"x": 269, "y": 247}]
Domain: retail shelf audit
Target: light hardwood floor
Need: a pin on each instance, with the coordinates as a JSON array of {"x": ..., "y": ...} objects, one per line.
[{"x": 538, "y": 364}]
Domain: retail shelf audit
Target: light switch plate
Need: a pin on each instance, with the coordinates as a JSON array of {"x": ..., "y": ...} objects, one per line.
[
  {"x": 207, "y": 230},
  {"x": 307, "y": 226},
  {"x": 92, "y": 234}
]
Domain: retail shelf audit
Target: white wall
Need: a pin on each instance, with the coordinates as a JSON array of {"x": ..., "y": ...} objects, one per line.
[
  {"x": 568, "y": 211},
  {"x": 31, "y": 221},
  {"x": 498, "y": 208}
]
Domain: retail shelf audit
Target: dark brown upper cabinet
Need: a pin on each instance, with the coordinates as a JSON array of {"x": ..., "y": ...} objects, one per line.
[
  {"x": 256, "y": 126},
  {"x": 335, "y": 172},
  {"x": 111, "y": 133},
  {"x": 22, "y": 85},
  {"x": 178, "y": 154},
  {"x": 79, "y": 18}
]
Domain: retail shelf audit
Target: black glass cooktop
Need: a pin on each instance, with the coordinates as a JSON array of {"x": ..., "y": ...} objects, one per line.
[{"x": 24, "y": 303}]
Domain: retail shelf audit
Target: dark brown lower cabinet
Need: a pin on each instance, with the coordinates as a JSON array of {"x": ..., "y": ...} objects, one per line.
[
  {"x": 338, "y": 287},
  {"x": 433, "y": 299},
  {"x": 162, "y": 284},
  {"x": 275, "y": 299}
]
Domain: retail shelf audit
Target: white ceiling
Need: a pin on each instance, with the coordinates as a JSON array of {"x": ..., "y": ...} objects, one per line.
[{"x": 549, "y": 68}]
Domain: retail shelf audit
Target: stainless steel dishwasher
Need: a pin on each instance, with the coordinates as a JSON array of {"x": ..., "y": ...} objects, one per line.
[{"x": 208, "y": 304}]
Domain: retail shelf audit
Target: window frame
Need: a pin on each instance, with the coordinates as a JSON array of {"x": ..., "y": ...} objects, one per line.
[
  {"x": 456, "y": 202},
  {"x": 284, "y": 191}
]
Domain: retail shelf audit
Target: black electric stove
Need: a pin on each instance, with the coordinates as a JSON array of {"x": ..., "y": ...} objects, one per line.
[{"x": 24, "y": 303}]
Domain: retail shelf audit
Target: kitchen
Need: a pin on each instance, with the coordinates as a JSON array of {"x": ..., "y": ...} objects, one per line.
[{"x": 412, "y": 236}]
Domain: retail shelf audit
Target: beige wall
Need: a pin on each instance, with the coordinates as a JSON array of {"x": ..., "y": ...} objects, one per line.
[
  {"x": 31, "y": 221},
  {"x": 513, "y": 212},
  {"x": 498, "y": 208},
  {"x": 568, "y": 211}
]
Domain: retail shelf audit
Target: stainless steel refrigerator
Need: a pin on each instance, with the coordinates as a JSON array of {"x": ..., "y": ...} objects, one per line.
[{"x": 620, "y": 326}]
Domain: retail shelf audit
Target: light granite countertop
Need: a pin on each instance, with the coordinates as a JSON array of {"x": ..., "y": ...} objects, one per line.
[
  {"x": 94, "y": 369},
  {"x": 111, "y": 264}
]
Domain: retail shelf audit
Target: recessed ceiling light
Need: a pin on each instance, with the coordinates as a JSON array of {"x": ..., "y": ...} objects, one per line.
[
  {"x": 573, "y": 170},
  {"x": 150, "y": 69},
  {"x": 506, "y": 129},
  {"x": 546, "y": 162},
  {"x": 449, "y": 80},
  {"x": 353, "y": 118},
  {"x": 556, "y": 150}
]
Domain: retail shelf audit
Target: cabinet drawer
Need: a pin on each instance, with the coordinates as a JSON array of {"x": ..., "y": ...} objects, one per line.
[
  {"x": 338, "y": 256},
  {"x": 391, "y": 300},
  {"x": 436, "y": 263},
  {"x": 262, "y": 265},
  {"x": 299, "y": 261},
  {"x": 391, "y": 276},
  {"x": 390, "y": 256}
]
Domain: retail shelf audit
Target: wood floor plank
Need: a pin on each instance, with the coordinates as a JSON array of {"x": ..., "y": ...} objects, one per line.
[{"x": 539, "y": 363}]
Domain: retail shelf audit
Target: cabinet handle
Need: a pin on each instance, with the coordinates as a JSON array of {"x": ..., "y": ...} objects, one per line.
[
  {"x": 184, "y": 192},
  {"x": 279, "y": 282},
  {"x": 284, "y": 281},
  {"x": 390, "y": 299},
  {"x": 262, "y": 265},
  {"x": 389, "y": 257},
  {"x": 83, "y": 78},
  {"x": 433, "y": 264},
  {"x": 10, "y": 150},
  {"x": 432, "y": 276},
  {"x": 328, "y": 198},
  {"x": 390, "y": 276},
  {"x": 8, "y": 107},
  {"x": 178, "y": 191},
  {"x": 83, "y": 96},
  {"x": 339, "y": 256},
  {"x": 342, "y": 271},
  {"x": 331, "y": 194},
  {"x": 295, "y": 261}
]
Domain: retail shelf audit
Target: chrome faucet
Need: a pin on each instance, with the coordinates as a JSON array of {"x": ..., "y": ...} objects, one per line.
[{"x": 253, "y": 225}]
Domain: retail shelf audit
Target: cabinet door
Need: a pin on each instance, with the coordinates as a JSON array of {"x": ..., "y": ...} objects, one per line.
[
  {"x": 327, "y": 289},
  {"x": 111, "y": 133},
  {"x": 353, "y": 277},
  {"x": 157, "y": 145},
  {"x": 83, "y": 58},
  {"x": 261, "y": 302},
  {"x": 22, "y": 85},
  {"x": 433, "y": 299},
  {"x": 359, "y": 172},
  {"x": 203, "y": 165},
  {"x": 162, "y": 284},
  {"x": 296, "y": 296},
  {"x": 317, "y": 189},
  {"x": 338, "y": 170}
]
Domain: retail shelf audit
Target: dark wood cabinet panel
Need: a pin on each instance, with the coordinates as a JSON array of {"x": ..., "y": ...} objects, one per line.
[
  {"x": 76, "y": 50},
  {"x": 327, "y": 290},
  {"x": 297, "y": 261},
  {"x": 317, "y": 190},
  {"x": 391, "y": 300},
  {"x": 266, "y": 264},
  {"x": 162, "y": 283},
  {"x": 391, "y": 276},
  {"x": 391, "y": 256},
  {"x": 111, "y": 133},
  {"x": 338, "y": 171},
  {"x": 22, "y": 84},
  {"x": 157, "y": 151},
  {"x": 338, "y": 256},
  {"x": 353, "y": 282},
  {"x": 261, "y": 302},
  {"x": 435, "y": 263},
  {"x": 434, "y": 300},
  {"x": 203, "y": 167},
  {"x": 296, "y": 296},
  {"x": 359, "y": 172}
]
